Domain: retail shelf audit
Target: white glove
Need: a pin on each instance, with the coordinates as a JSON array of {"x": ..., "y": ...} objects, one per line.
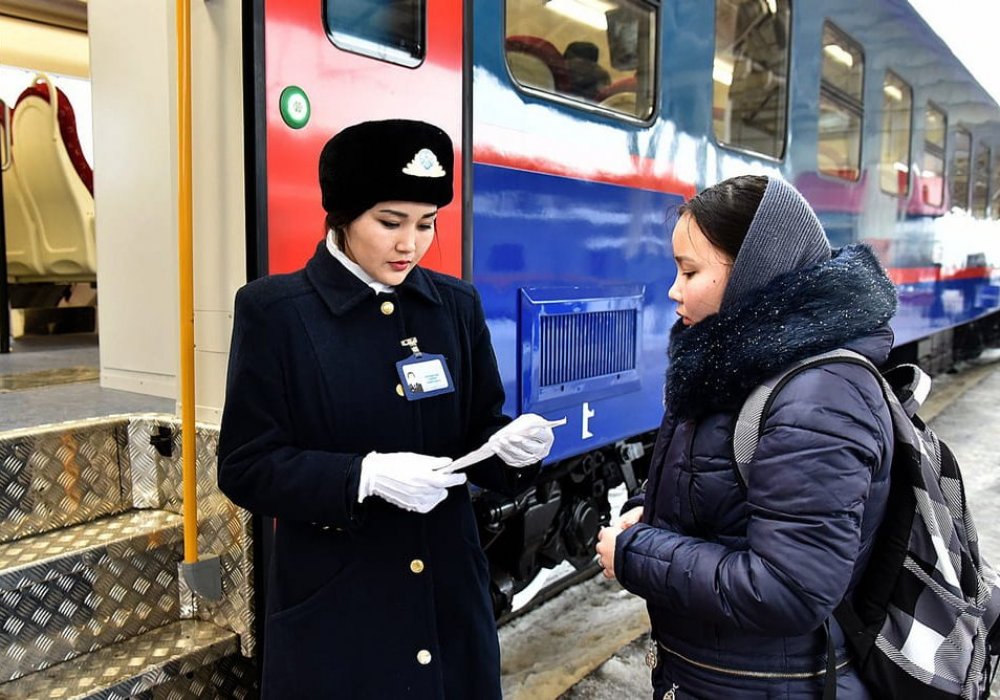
[
  {"x": 525, "y": 440},
  {"x": 406, "y": 480}
]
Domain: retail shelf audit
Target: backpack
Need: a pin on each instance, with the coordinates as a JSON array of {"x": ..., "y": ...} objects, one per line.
[{"x": 922, "y": 621}]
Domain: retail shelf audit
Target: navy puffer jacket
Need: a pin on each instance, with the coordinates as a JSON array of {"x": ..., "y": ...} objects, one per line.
[{"x": 740, "y": 582}]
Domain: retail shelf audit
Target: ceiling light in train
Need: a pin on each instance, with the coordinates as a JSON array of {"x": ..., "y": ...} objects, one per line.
[
  {"x": 839, "y": 54},
  {"x": 589, "y": 12},
  {"x": 722, "y": 72},
  {"x": 892, "y": 92}
]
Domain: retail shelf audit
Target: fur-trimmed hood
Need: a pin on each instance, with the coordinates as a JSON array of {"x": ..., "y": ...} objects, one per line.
[{"x": 715, "y": 363}]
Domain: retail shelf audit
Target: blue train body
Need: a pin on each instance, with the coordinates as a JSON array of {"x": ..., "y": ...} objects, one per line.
[{"x": 570, "y": 234}]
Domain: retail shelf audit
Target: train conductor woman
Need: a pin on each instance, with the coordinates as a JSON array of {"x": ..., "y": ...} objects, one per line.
[{"x": 378, "y": 586}]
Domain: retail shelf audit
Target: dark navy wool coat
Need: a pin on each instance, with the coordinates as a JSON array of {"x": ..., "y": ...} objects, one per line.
[
  {"x": 739, "y": 582},
  {"x": 364, "y": 600}
]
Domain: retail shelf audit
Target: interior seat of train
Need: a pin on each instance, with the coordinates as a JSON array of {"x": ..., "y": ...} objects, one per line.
[{"x": 56, "y": 184}]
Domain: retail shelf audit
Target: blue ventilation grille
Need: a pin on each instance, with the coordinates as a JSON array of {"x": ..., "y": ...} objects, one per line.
[{"x": 585, "y": 345}]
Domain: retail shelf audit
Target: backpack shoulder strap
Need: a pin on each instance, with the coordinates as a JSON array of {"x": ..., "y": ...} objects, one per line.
[{"x": 750, "y": 421}]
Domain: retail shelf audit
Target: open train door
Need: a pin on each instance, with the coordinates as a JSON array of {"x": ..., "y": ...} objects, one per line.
[{"x": 321, "y": 65}]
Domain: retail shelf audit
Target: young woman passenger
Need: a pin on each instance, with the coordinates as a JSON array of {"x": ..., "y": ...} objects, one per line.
[
  {"x": 377, "y": 585},
  {"x": 741, "y": 582}
]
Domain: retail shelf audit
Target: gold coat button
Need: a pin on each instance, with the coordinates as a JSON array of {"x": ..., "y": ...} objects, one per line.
[
  {"x": 417, "y": 566},
  {"x": 387, "y": 308},
  {"x": 423, "y": 657},
  {"x": 399, "y": 389}
]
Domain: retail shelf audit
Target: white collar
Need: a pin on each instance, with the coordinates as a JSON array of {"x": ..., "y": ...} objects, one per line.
[{"x": 353, "y": 267}]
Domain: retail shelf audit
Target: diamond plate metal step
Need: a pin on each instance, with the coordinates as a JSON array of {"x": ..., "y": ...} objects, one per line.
[
  {"x": 62, "y": 475},
  {"x": 69, "y": 592},
  {"x": 180, "y": 661}
]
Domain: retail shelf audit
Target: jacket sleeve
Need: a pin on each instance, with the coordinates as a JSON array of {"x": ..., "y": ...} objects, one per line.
[
  {"x": 808, "y": 486},
  {"x": 260, "y": 466}
]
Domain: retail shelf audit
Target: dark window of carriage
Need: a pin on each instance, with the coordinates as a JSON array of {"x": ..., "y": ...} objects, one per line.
[
  {"x": 981, "y": 180},
  {"x": 932, "y": 172},
  {"x": 750, "y": 75},
  {"x": 389, "y": 30},
  {"x": 841, "y": 106},
  {"x": 600, "y": 53},
  {"x": 960, "y": 170},
  {"x": 897, "y": 116}
]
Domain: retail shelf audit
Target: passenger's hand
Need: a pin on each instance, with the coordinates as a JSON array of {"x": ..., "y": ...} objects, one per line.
[
  {"x": 606, "y": 549},
  {"x": 406, "y": 480},
  {"x": 630, "y": 518},
  {"x": 525, "y": 440}
]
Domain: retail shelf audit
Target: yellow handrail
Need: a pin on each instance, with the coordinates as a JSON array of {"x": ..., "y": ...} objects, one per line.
[{"x": 185, "y": 251}]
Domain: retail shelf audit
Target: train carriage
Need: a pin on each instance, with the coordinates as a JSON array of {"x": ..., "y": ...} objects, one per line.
[{"x": 579, "y": 126}]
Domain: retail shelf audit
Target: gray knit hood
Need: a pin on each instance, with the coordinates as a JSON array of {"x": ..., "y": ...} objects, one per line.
[{"x": 784, "y": 235}]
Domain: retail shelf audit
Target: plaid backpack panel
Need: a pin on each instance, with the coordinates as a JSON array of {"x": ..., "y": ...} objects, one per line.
[{"x": 922, "y": 622}]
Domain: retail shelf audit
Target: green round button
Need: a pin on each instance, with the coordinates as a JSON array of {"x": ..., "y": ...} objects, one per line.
[{"x": 294, "y": 106}]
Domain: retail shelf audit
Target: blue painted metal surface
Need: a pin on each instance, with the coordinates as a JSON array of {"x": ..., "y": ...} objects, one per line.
[
  {"x": 544, "y": 233},
  {"x": 928, "y": 307}
]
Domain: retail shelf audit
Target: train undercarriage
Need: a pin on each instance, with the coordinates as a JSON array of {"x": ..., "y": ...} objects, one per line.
[{"x": 558, "y": 518}]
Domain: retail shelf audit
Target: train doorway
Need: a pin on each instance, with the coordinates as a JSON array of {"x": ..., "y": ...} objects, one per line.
[{"x": 49, "y": 280}]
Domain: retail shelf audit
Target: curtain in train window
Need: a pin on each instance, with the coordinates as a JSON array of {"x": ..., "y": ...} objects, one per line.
[
  {"x": 389, "y": 30},
  {"x": 598, "y": 52},
  {"x": 960, "y": 170},
  {"x": 750, "y": 74},
  {"x": 897, "y": 115},
  {"x": 981, "y": 181},
  {"x": 932, "y": 174},
  {"x": 841, "y": 106}
]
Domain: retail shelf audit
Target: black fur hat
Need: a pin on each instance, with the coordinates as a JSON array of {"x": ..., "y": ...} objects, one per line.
[{"x": 379, "y": 161}]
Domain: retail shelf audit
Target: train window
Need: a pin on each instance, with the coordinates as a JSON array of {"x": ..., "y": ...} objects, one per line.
[
  {"x": 897, "y": 115},
  {"x": 932, "y": 175},
  {"x": 980, "y": 180},
  {"x": 995, "y": 193},
  {"x": 389, "y": 30},
  {"x": 841, "y": 106},
  {"x": 960, "y": 170},
  {"x": 596, "y": 52},
  {"x": 750, "y": 74}
]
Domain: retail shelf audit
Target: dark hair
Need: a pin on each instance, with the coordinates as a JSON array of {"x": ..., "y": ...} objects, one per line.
[
  {"x": 586, "y": 50},
  {"x": 337, "y": 221},
  {"x": 724, "y": 211}
]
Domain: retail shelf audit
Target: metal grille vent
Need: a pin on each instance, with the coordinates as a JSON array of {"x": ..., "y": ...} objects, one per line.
[{"x": 585, "y": 345}]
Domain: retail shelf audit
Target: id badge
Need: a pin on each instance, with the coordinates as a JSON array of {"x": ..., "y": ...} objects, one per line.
[{"x": 424, "y": 375}]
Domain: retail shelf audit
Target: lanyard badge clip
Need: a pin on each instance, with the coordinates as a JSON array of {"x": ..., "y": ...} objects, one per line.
[{"x": 411, "y": 343}]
